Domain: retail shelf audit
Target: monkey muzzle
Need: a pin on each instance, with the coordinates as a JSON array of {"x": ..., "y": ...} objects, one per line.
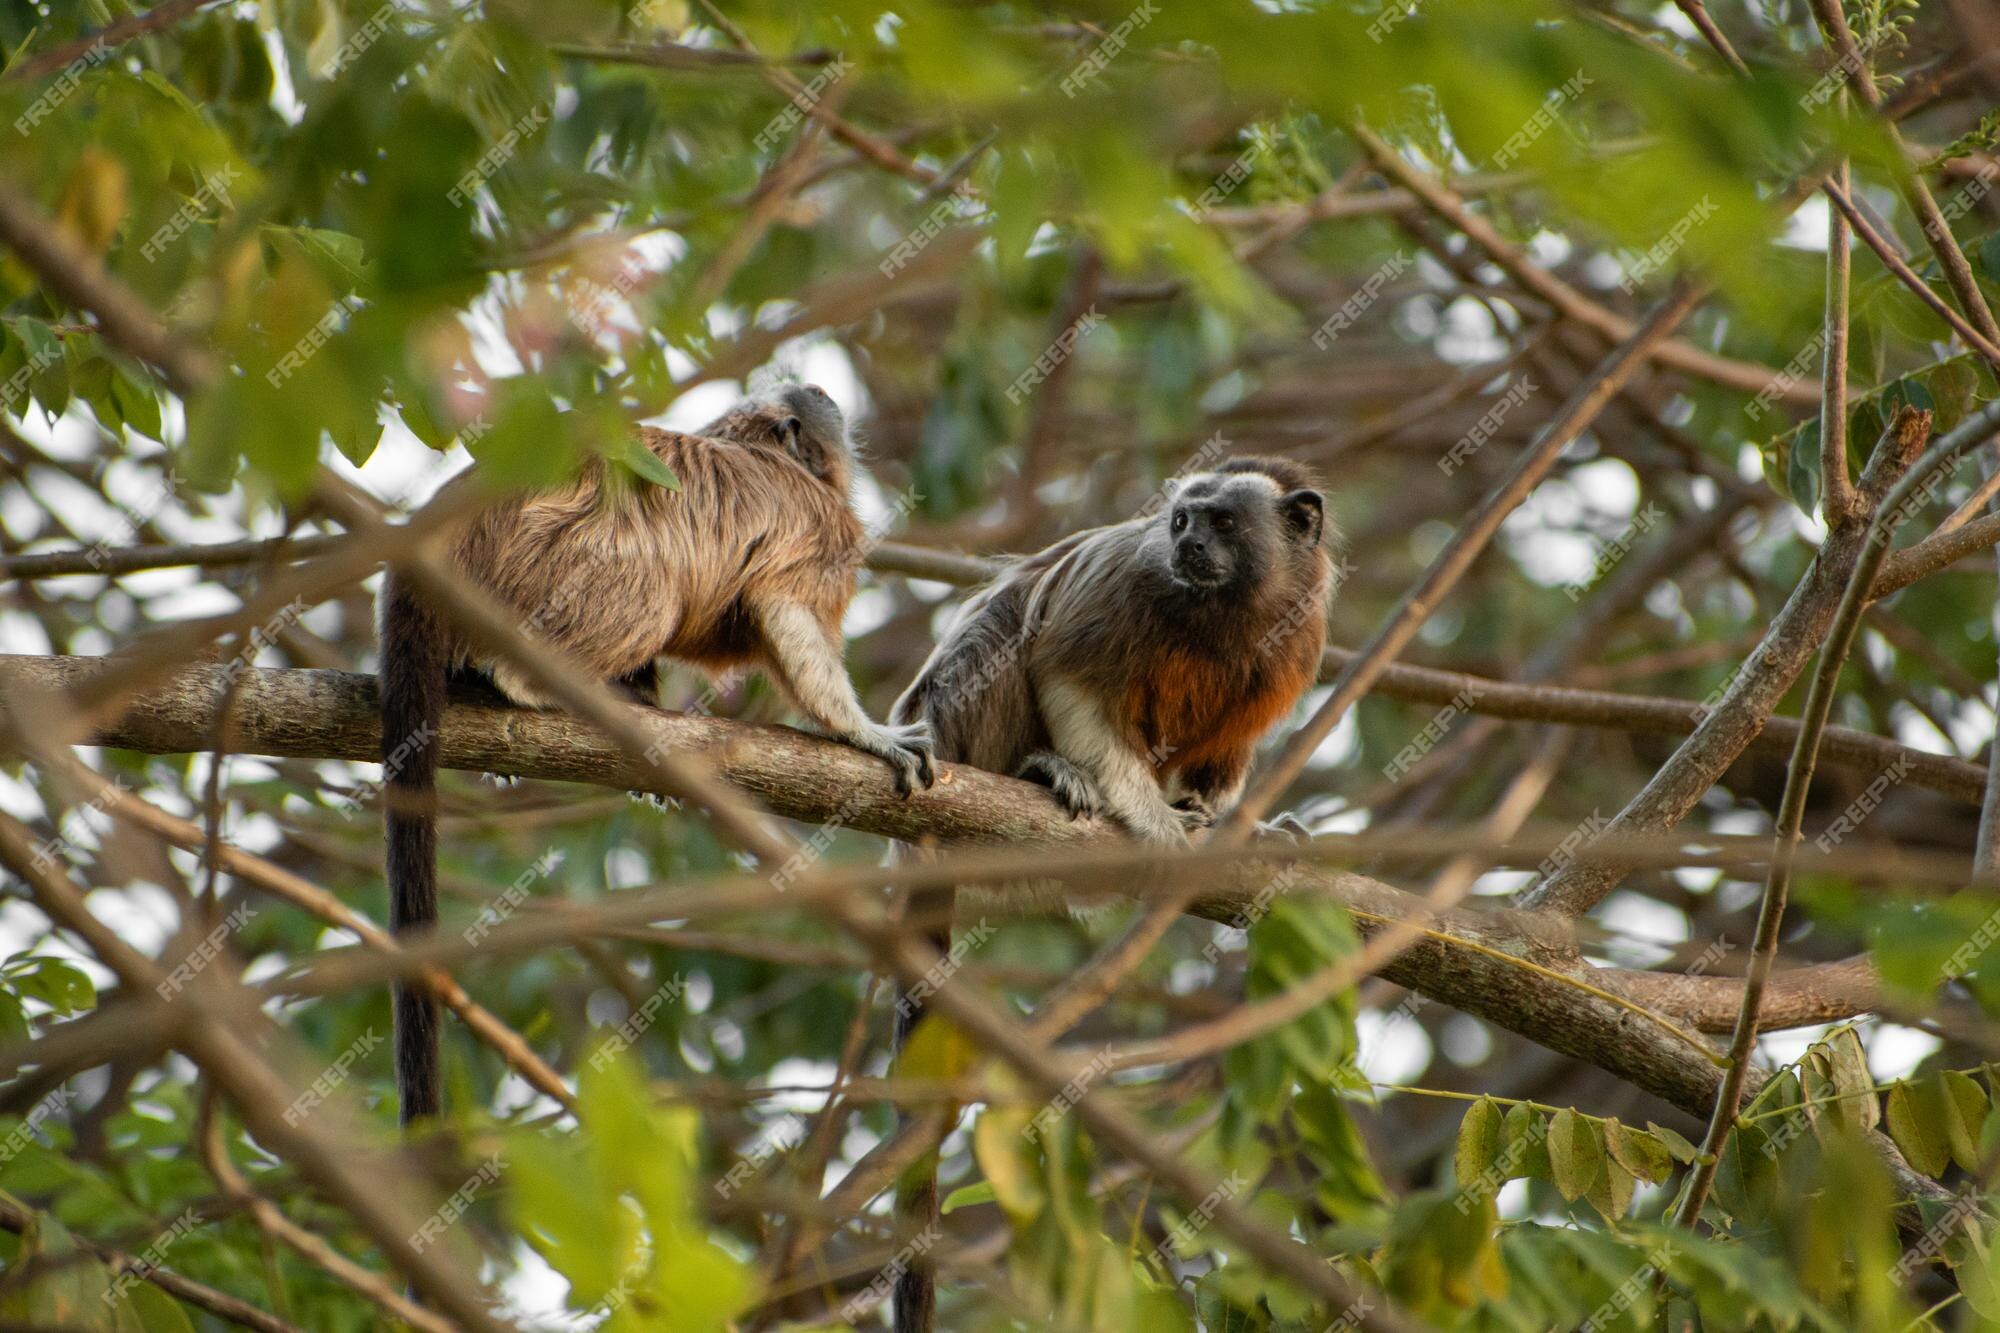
[{"x": 1195, "y": 564}]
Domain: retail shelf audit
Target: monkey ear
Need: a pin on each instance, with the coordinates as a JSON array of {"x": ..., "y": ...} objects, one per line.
[
  {"x": 1305, "y": 515},
  {"x": 791, "y": 434},
  {"x": 788, "y": 432}
]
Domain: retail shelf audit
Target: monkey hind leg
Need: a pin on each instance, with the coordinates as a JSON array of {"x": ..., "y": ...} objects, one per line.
[
  {"x": 520, "y": 688},
  {"x": 1072, "y": 784}
]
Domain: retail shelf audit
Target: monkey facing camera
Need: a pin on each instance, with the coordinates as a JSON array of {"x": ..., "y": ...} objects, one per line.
[
  {"x": 1132, "y": 669},
  {"x": 751, "y": 563}
]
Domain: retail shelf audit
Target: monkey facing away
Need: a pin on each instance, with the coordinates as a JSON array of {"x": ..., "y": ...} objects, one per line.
[
  {"x": 1132, "y": 669},
  {"x": 751, "y": 563}
]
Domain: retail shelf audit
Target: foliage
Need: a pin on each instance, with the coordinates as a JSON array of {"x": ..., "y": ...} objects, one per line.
[{"x": 506, "y": 230}]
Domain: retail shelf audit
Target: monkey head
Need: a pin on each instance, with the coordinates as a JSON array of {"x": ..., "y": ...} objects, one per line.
[
  {"x": 800, "y": 419},
  {"x": 1236, "y": 527}
]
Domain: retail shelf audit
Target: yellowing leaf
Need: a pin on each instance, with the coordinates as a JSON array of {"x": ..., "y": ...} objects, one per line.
[
  {"x": 1849, "y": 1069},
  {"x": 1645, "y": 1156},
  {"x": 1611, "y": 1195},
  {"x": 1478, "y": 1140},
  {"x": 936, "y": 1050},
  {"x": 92, "y": 202},
  {"x": 1002, "y": 1150},
  {"x": 1575, "y": 1154}
]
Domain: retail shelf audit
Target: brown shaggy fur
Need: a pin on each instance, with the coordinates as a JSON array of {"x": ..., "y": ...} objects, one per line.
[
  {"x": 751, "y": 562},
  {"x": 617, "y": 578}
]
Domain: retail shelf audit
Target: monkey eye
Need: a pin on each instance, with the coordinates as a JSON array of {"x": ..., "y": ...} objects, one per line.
[
  {"x": 1224, "y": 523},
  {"x": 1180, "y": 522}
]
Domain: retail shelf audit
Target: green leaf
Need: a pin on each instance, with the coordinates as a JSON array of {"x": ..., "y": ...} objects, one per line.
[
  {"x": 646, "y": 465},
  {"x": 1576, "y": 1154},
  {"x": 1916, "y": 1123},
  {"x": 1524, "y": 1144},
  {"x": 1441, "y": 1254},
  {"x": 156, "y": 1312},
  {"x": 1478, "y": 1140},
  {"x": 1679, "y": 1148},
  {"x": 1802, "y": 468},
  {"x": 137, "y": 403},
  {"x": 1746, "y": 1179},
  {"x": 1348, "y": 1183},
  {"x": 1640, "y": 1153},
  {"x": 1611, "y": 1195},
  {"x": 1965, "y": 1109},
  {"x": 1852, "y": 1083},
  {"x": 965, "y": 1196},
  {"x": 56, "y": 982},
  {"x": 13, "y": 1018}
]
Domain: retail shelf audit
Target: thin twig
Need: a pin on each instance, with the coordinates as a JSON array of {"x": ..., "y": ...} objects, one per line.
[
  {"x": 1837, "y": 499},
  {"x": 200, "y": 1295},
  {"x": 1728, "y": 728},
  {"x": 1889, "y": 515},
  {"x": 912, "y": 959},
  {"x": 219, "y": 1040},
  {"x": 160, "y": 16},
  {"x": 1979, "y": 342},
  {"x": 78, "y": 277},
  {"x": 1575, "y": 416},
  {"x": 1559, "y": 295},
  {"x": 214, "y": 1155},
  {"x": 1937, "y": 231}
]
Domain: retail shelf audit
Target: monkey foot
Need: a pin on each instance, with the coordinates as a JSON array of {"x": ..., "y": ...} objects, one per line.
[
  {"x": 905, "y": 748},
  {"x": 1072, "y": 786}
]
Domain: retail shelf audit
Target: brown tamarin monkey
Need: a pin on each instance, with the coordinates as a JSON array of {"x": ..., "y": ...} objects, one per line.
[
  {"x": 750, "y": 563},
  {"x": 1131, "y": 669}
]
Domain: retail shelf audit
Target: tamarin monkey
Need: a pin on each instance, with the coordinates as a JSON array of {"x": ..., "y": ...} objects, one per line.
[
  {"x": 1131, "y": 669},
  {"x": 751, "y": 563}
]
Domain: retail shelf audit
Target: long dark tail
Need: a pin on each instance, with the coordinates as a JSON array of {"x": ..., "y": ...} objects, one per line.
[
  {"x": 917, "y": 1193},
  {"x": 412, "y": 689}
]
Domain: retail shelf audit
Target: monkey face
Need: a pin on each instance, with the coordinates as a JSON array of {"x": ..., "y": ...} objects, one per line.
[
  {"x": 1232, "y": 531},
  {"x": 1208, "y": 542}
]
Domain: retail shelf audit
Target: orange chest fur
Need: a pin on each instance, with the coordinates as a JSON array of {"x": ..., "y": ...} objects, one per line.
[{"x": 1192, "y": 709}]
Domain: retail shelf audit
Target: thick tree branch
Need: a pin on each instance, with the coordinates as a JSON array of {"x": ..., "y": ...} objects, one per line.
[
  {"x": 1663, "y": 716},
  {"x": 324, "y": 714}
]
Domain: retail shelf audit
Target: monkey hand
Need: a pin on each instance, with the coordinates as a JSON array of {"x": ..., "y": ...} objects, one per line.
[
  {"x": 905, "y": 748},
  {"x": 1072, "y": 785},
  {"x": 1195, "y": 813}
]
